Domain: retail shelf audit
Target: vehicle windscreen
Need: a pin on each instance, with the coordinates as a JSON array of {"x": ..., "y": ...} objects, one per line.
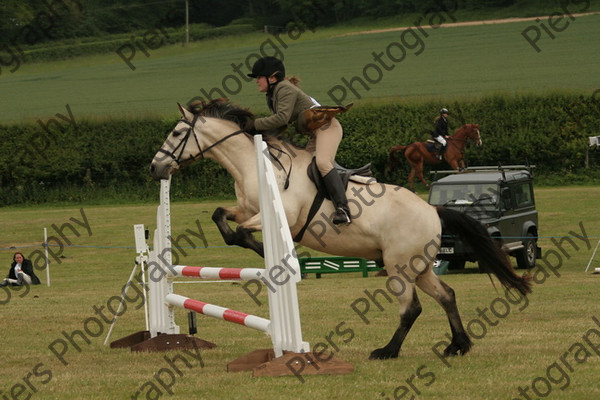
[{"x": 483, "y": 196}]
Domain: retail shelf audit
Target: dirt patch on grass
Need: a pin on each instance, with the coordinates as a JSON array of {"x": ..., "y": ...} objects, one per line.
[{"x": 465, "y": 23}]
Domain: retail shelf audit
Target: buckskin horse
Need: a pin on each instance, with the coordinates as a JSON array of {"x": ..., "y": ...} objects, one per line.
[
  {"x": 417, "y": 153},
  {"x": 391, "y": 224}
]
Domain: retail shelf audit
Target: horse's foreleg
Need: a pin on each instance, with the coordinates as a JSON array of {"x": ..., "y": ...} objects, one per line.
[
  {"x": 420, "y": 175},
  {"x": 242, "y": 236},
  {"x": 245, "y": 230},
  {"x": 411, "y": 179},
  {"x": 454, "y": 165},
  {"x": 444, "y": 295},
  {"x": 408, "y": 316}
]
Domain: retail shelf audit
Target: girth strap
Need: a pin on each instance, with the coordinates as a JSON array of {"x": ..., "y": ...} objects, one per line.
[{"x": 311, "y": 214}]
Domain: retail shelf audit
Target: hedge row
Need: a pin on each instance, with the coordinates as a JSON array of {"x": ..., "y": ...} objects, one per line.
[{"x": 114, "y": 155}]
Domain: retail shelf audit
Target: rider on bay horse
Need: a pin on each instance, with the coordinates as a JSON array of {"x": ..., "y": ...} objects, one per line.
[
  {"x": 441, "y": 130},
  {"x": 290, "y": 105}
]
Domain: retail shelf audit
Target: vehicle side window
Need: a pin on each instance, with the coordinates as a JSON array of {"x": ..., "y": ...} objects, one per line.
[
  {"x": 523, "y": 195},
  {"x": 506, "y": 200}
]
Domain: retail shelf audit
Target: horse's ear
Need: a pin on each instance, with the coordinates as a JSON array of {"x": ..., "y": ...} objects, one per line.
[{"x": 185, "y": 113}]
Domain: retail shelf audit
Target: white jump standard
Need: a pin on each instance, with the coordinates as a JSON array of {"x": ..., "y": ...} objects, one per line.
[{"x": 284, "y": 328}]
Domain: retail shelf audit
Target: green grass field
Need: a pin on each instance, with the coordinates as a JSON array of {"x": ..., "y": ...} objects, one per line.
[
  {"x": 519, "y": 349},
  {"x": 453, "y": 63},
  {"x": 536, "y": 342}
]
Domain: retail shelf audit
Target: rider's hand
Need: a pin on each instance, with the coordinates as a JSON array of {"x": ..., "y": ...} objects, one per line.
[{"x": 249, "y": 127}]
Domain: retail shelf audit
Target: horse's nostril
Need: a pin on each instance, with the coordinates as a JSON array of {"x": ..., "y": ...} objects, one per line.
[{"x": 152, "y": 168}]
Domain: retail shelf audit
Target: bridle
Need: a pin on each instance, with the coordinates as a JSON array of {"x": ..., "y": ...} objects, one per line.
[
  {"x": 451, "y": 139},
  {"x": 191, "y": 132},
  {"x": 183, "y": 143}
]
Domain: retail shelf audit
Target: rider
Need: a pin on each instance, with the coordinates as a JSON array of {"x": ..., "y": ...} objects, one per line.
[
  {"x": 441, "y": 130},
  {"x": 289, "y": 104}
]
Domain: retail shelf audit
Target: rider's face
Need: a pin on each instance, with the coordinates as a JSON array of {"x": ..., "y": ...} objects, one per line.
[{"x": 262, "y": 83}]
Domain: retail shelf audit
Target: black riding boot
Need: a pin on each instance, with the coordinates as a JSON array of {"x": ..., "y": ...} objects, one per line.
[
  {"x": 440, "y": 155},
  {"x": 336, "y": 191}
]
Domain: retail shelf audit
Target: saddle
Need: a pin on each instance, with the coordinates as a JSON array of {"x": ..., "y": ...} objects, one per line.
[
  {"x": 433, "y": 146},
  {"x": 360, "y": 175},
  {"x": 346, "y": 174}
]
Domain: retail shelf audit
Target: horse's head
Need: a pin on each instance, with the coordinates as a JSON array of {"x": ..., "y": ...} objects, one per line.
[
  {"x": 472, "y": 132},
  {"x": 195, "y": 134},
  {"x": 181, "y": 146}
]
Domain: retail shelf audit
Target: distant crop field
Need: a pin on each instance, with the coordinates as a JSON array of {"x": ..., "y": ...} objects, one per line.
[{"x": 447, "y": 62}]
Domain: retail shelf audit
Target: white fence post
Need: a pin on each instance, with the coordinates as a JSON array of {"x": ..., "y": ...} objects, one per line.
[
  {"x": 162, "y": 317},
  {"x": 280, "y": 254}
]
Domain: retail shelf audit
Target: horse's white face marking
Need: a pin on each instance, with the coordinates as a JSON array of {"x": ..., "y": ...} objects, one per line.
[{"x": 180, "y": 145}]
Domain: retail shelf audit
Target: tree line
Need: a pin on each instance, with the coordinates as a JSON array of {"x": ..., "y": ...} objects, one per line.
[{"x": 49, "y": 20}]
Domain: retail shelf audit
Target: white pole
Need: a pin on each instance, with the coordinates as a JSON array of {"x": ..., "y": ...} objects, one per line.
[
  {"x": 593, "y": 255},
  {"x": 125, "y": 289},
  {"x": 145, "y": 290},
  {"x": 187, "y": 22},
  {"x": 47, "y": 260}
]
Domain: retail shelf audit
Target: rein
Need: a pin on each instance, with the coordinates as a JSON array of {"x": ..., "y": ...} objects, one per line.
[
  {"x": 452, "y": 139},
  {"x": 278, "y": 161},
  {"x": 191, "y": 130},
  {"x": 183, "y": 143}
]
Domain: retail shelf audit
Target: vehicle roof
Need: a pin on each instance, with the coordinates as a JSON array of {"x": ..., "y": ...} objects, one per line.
[{"x": 485, "y": 177}]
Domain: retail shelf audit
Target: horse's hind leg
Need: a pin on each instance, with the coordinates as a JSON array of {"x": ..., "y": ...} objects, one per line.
[
  {"x": 408, "y": 315},
  {"x": 242, "y": 236},
  {"x": 444, "y": 295}
]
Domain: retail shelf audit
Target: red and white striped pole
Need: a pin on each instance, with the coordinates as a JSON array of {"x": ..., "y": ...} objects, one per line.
[
  {"x": 244, "y": 274},
  {"x": 211, "y": 310}
]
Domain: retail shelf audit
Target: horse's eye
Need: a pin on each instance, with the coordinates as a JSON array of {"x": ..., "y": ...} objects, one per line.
[{"x": 176, "y": 133}]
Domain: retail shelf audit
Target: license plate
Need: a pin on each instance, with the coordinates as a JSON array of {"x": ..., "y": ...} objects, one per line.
[{"x": 447, "y": 250}]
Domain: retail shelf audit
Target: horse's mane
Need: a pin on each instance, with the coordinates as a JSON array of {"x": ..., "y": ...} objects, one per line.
[{"x": 222, "y": 109}]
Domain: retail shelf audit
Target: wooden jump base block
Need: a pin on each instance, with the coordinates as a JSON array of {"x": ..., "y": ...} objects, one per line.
[
  {"x": 264, "y": 363},
  {"x": 290, "y": 355},
  {"x": 142, "y": 341}
]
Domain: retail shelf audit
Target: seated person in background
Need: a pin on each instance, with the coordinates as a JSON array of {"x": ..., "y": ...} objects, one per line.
[{"x": 20, "y": 273}]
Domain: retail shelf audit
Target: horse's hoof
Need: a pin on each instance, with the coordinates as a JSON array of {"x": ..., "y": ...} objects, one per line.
[
  {"x": 460, "y": 345},
  {"x": 455, "y": 349},
  {"x": 382, "y": 354}
]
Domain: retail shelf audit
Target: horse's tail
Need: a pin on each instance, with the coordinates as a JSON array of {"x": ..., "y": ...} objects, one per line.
[
  {"x": 488, "y": 253},
  {"x": 393, "y": 157}
]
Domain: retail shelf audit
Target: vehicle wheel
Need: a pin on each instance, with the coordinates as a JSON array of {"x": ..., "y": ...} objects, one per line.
[
  {"x": 456, "y": 264},
  {"x": 526, "y": 258}
]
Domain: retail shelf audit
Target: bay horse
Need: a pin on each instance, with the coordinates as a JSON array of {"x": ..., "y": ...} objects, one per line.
[
  {"x": 417, "y": 154},
  {"x": 390, "y": 224}
]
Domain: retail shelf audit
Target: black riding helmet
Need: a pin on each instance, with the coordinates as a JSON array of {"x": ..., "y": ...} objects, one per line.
[{"x": 267, "y": 66}]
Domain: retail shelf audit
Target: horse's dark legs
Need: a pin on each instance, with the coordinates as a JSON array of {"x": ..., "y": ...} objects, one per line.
[
  {"x": 460, "y": 340},
  {"x": 241, "y": 237},
  {"x": 444, "y": 295},
  {"x": 407, "y": 320}
]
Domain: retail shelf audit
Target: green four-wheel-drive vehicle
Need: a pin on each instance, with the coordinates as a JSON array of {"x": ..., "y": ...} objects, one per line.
[{"x": 500, "y": 198}]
